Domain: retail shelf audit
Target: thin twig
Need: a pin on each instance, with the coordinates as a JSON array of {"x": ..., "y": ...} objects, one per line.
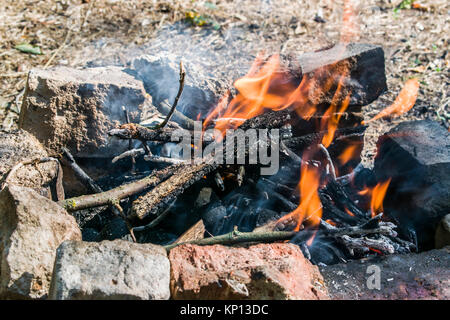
[
  {"x": 129, "y": 153},
  {"x": 174, "y": 105},
  {"x": 84, "y": 178},
  {"x": 61, "y": 47},
  {"x": 236, "y": 236},
  {"x": 155, "y": 221},
  {"x": 159, "y": 159},
  {"x": 118, "y": 211}
]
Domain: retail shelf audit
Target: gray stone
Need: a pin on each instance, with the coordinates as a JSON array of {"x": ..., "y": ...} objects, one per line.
[
  {"x": 402, "y": 276},
  {"x": 76, "y": 108},
  {"x": 442, "y": 237},
  {"x": 416, "y": 156},
  {"x": 45, "y": 178},
  {"x": 31, "y": 229},
  {"x": 110, "y": 270}
]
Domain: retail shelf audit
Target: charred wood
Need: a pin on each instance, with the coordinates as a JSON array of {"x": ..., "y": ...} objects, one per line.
[
  {"x": 124, "y": 191},
  {"x": 154, "y": 201}
]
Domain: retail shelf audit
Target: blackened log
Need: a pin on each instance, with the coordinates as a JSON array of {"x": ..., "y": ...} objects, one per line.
[
  {"x": 138, "y": 132},
  {"x": 415, "y": 155},
  {"x": 154, "y": 201},
  {"x": 303, "y": 142},
  {"x": 342, "y": 199},
  {"x": 364, "y": 64},
  {"x": 269, "y": 120},
  {"x": 330, "y": 211}
]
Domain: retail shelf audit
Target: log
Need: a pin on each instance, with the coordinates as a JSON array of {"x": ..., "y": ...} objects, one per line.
[
  {"x": 363, "y": 64},
  {"x": 154, "y": 201},
  {"x": 303, "y": 142},
  {"x": 124, "y": 191}
]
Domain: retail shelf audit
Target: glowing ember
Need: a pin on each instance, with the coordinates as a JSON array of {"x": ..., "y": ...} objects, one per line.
[{"x": 403, "y": 103}]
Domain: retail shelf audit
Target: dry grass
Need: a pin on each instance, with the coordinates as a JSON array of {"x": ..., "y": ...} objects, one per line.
[{"x": 75, "y": 32}]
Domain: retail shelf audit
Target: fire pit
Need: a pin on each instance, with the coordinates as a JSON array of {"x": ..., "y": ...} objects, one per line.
[{"x": 188, "y": 187}]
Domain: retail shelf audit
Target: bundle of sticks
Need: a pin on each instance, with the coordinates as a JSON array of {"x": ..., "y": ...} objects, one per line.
[{"x": 359, "y": 233}]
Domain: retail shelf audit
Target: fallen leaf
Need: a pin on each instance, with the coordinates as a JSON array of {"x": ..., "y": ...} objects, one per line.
[{"x": 28, "y": 48}]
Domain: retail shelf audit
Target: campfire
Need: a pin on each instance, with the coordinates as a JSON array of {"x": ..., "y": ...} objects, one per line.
[
  {"x": 203, "y": 197},
  {"x": 310, "y": 198}
]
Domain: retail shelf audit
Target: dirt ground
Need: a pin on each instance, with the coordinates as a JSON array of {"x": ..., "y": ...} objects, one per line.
[{"x": 79, "y": 33}]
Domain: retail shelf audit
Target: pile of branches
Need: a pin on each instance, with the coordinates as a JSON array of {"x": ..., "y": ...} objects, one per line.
[{"x": 359, "y": 232}]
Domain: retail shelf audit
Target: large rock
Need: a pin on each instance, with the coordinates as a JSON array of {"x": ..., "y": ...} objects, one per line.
[
  {"x": 400, "y": 276},
  {"x": 264, "y": 271},
  {"x": 76, "y": 108},
  {"x": 442, "y": 237},
  {"x": 110, "y": 270},
  {"x": 362, "y": 63},
  {"x": 45, "y": 178},
  {"x": 31, "y": 229},
  {"x": 416, "y": 156}
]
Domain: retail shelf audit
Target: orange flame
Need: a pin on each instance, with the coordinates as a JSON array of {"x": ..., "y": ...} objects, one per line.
[
  {"x": 258, "y": 92},
  {"x": 310, "y": 207},
  {"x": 351, "y": 152},
  {"x": 330, "y": 119},
  {"x": 404, "y": 101},
  {"x": 377, "y": 195},
  {"x": 267, "y": 87}
]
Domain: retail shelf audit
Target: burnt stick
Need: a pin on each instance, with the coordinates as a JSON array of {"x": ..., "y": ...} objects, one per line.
[
  {"x": 124, "y": 191},
  {"x": 357, "y": 243},
  {"x": 155, "y": 201},
  {"x": 84, "y": 178},
  {"x": 236, "y": 236}
]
